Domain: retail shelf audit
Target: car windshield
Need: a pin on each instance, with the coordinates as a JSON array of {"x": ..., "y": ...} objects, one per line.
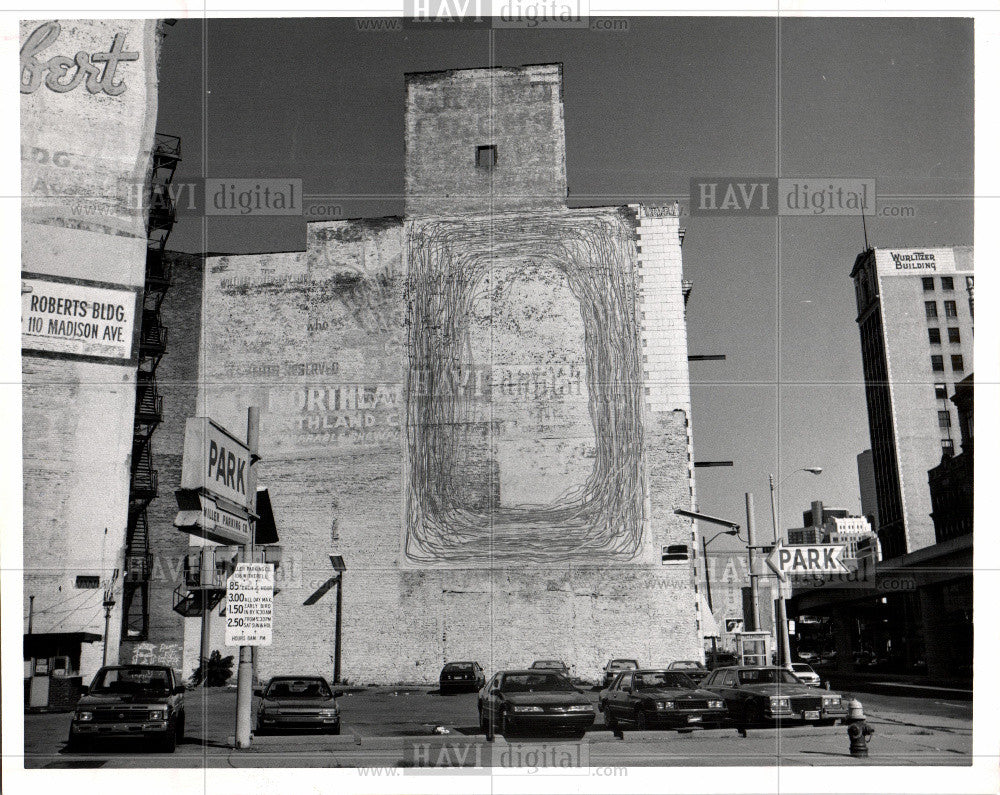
[
  {"x": 132, "y": 681},
  {"x": 536, "y": 683},
  {"x": 298, "y": 688},
  {"x": 767, "y": 676},
  {"x": 687, "y": 665},
  {"x": 547, "y": 664},
  {"x": 658, "y": 679},
  {"x": 458, "y": 667},
  {"x": 622, "y": 665},
  {"x": 802, "y": 669}
]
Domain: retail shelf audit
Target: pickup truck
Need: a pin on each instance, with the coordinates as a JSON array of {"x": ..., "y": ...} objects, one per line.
[{"x": 139, "y": 701}]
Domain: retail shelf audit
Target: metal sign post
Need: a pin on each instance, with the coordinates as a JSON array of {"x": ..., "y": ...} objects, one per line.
[{"x": 244, "y": 679}]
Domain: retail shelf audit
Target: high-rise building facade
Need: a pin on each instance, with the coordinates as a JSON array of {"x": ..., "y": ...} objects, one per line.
[
  {"x": 866, "y": 487},
  {"x": 915, "y": 316}
]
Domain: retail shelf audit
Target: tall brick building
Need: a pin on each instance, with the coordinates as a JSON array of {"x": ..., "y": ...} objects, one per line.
[
  {"x": 483, "y": 407},
  {"x": 86, "y": 151}
]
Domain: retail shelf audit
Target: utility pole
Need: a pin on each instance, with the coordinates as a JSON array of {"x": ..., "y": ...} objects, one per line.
[
  {"x": 109, "y": 602},
  {"x": 780, "y": 607},
  {"x": 754, "y": 609},
  {"x": 244, "y": 677},
  {"x": 207, "y": 571},
  {"x": 336, "y": 648}
]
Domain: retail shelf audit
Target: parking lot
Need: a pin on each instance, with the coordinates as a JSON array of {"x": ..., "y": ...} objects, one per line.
[{"x": 413, "y": 727}]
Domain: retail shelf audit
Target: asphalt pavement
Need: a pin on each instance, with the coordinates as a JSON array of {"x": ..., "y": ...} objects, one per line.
[{"x": 410, "y": 729}]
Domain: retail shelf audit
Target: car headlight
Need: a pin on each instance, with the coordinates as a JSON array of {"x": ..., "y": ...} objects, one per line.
[
  {"x": 328, "y": 713},
  {"x": 156, "y": 714},
  {"x": 580, "y": 708},
  {"x": 518, "y": 708},
  {"x": 84, "y": 716},
  {"x": 716, "y": 704},
  {"x": 780, "y": 702},
  {"x": 665, "y": 705},
  {"x": 831, "y": 701}
]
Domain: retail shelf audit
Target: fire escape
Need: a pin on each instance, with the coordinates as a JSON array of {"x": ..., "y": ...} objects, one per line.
[{"x": 148, "y": 403}]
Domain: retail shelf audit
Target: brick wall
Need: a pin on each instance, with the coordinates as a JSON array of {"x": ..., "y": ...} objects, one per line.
[
  {"x": 329, "y": 335},
  {"x": 450, "y": 114}
]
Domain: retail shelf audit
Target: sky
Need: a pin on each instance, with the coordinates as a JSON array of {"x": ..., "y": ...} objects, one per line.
[{"x": 646, "y": 110}]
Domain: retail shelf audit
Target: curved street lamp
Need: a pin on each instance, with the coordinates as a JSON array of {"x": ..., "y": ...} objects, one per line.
[{"x": 783, "y": 639}]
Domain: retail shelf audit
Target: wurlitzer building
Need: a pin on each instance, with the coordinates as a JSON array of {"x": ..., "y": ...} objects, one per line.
[
  {"x": 481, "y": 407},
  {"x": 88, "y": 323}
]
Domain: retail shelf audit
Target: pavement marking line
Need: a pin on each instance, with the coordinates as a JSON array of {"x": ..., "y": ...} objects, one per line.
[{"x": 921, "y": 687}]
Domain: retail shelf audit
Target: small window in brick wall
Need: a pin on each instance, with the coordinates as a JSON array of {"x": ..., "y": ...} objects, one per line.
[
  {"x": 88, "y": 581},
  {"x": 486, "y": 156},
  {"x": 675, "y": 553}
]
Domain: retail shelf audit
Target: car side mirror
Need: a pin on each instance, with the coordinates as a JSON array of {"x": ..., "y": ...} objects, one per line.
[
  {"x": 180, "y": 689},
  {"x": 338, "y": 693},
  {"x": 84, "y": 691},
  {"x": 258, "y": 691}
]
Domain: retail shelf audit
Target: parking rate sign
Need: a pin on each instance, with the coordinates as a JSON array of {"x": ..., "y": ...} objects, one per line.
[{"x": 249, "y": 605}]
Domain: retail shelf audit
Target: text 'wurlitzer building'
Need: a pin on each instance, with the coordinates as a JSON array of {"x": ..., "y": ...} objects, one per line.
[{"x": 482, "y": 407}]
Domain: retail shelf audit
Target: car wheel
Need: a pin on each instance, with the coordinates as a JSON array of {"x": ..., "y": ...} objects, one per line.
[
  {"x": 610, "y": 720},
  {"x": 180, "y": 728},
  {"x": 503, "y": 726},
  {"x": 483, "y": 723},
  {"x": 76, "y": 742},
  {"x": 335, "y": 729},
  {"x": 169, "y": 742},
  {"x": 641, "y": 720},
  {"x": 754, "y": 717}
]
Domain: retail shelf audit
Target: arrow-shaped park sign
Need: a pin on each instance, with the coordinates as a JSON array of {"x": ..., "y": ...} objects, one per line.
[{"x": 807, "y": 559}]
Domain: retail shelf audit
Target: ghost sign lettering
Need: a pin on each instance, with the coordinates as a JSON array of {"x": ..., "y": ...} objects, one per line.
[{"x": 97, "y": 69}]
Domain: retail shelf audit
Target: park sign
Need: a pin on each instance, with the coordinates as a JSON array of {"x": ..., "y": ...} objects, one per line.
[
  {"x": 213, "y": 495},
  {"x": 806, "y": 559}
]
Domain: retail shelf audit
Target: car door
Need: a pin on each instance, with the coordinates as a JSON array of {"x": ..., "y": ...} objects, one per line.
[
  {"x": 488, "y": 699},
  {"x": 618, "y": 701}
]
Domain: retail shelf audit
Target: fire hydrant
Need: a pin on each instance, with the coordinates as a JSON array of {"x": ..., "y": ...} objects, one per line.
[{"x": 858, "y": 731}]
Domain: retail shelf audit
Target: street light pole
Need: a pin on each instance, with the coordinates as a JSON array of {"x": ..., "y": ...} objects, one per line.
[
  {"x": 754, "y": 585},
  {"x": 708, "y": 583},
  {"x": 244, "y": 673},
  {"x": 780, "y": 605}
]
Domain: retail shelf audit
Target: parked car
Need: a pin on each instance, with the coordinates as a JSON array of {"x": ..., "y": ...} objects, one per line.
[
  {"x": 297, "y": 702},
  {"x": 457, "y": 676},
  {"x": 614, "y": 667},
  {"x": 807, "y": 674},
  {"x": 720, "y": 659},
  {"x": 136, "y": 701},
  {"x": 762, "y": 694},
  {"x": 551, "y": 665},
  {"x": 533, "y": 699},
  {"x": 648, "y": 698},
  {"x": 694, "y": 669}
]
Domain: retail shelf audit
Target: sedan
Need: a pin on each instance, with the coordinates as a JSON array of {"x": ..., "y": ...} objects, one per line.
[
  {"x": 694, "y": 669},
  {"x": 765, "y": 694},
  {"x": 660, "y": 698},
  {"x": 806, "y": 674},
  {"x": 300, "y": 702},
  {"x": 461, "y": 676},
  {"x": 551, "y": 665},
  {"x": 615, "y": 667},
  {"x": 533, "y": 699}
]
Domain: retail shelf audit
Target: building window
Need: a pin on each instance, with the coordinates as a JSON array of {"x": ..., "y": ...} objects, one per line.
[
  {"x": 486, "y": 157},
  {"x": 957, "y": 363},
  {"x": 88, "y": 581},
  {"x": 950, "y": 309},
  {"x": 937, "y": 364},
  {"x": 954, "y": 335},
  {"x": 947, "y": 283},
  {"x": 941, "y": 391},
  {"x": 934, "y": 335},
  {"x": 947, "y": 447},
  {"x": 931, "y": 308},
  {"x": 944, "y": 419},
  {"x": 928, "y": 284}
]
